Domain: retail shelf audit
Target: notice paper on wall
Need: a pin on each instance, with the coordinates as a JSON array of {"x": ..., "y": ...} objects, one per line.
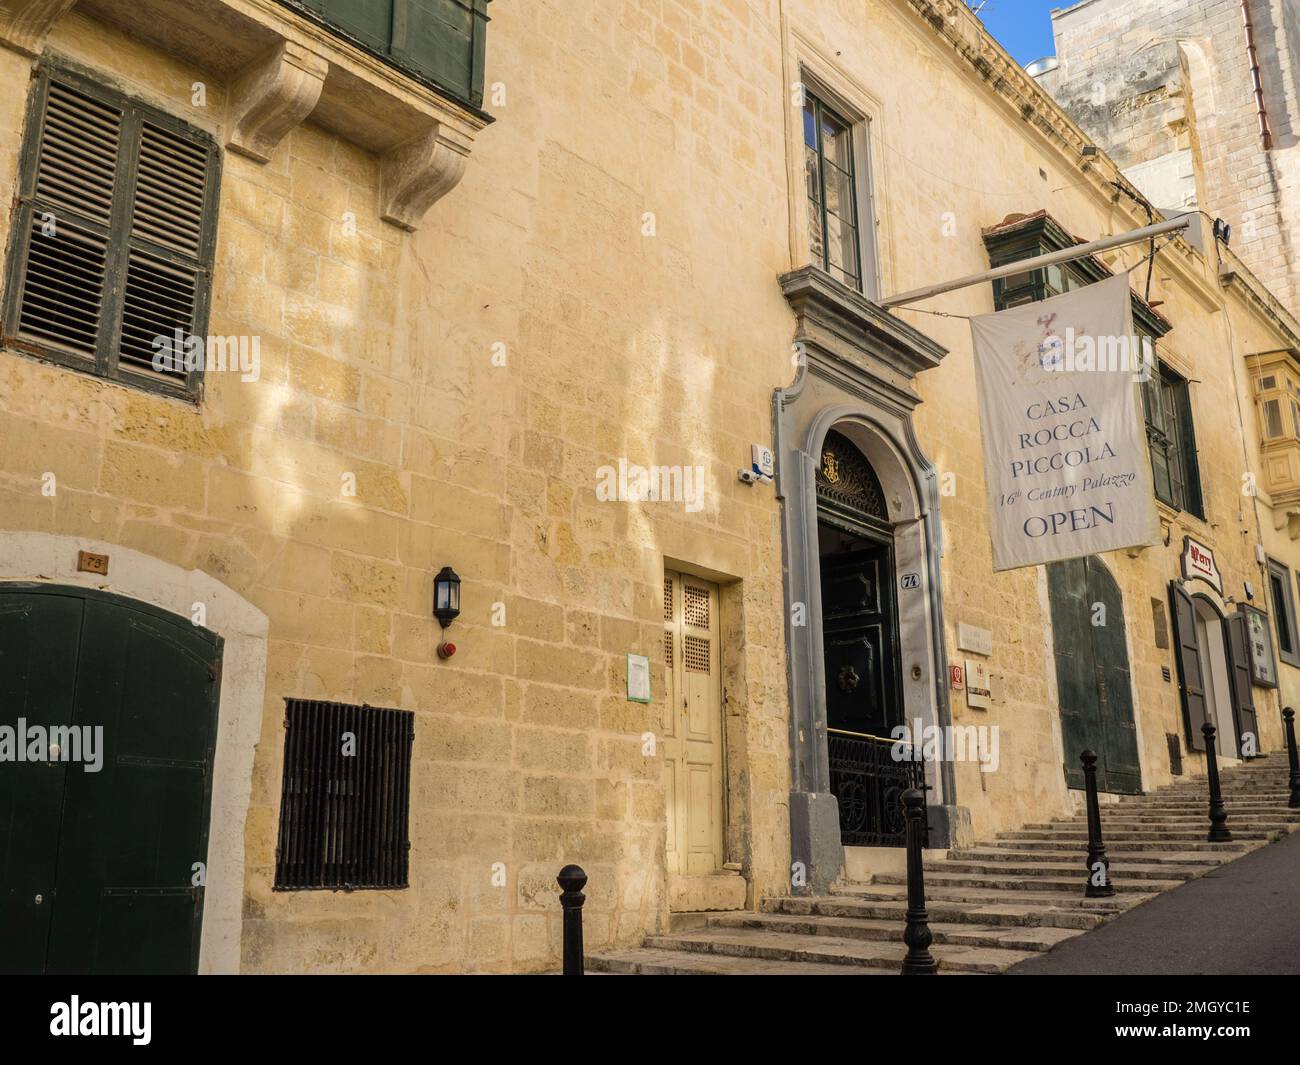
[{"x": 1065, "y": 447}]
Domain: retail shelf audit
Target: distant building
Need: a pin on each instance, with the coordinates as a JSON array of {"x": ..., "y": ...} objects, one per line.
[{"x": 1198, "y": 101}]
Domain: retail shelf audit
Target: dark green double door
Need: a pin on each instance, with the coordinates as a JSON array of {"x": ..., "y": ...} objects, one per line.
[
  {"x": 97, "y": 868},
  {"x": 1094, "y": 687}
]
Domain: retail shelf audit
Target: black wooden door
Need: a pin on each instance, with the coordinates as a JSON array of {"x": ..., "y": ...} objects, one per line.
[
  {"x": 860, "y": 639},
  {"x": 1094, "y": 688},
  {"x": 111, "y": 854}
]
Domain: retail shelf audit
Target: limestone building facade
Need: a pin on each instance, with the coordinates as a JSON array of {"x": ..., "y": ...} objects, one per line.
[{"x": 497, "y": 296}]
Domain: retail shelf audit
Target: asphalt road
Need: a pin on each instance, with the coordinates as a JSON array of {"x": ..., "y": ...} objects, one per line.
[{"x": 1243, "y": 917}]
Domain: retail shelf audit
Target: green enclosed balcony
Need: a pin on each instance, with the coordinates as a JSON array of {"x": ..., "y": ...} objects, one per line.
[{"x": 441, "y": 42}]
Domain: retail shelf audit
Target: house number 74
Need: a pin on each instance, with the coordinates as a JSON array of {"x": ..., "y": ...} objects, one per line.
[{"x": 911, "y": 580}]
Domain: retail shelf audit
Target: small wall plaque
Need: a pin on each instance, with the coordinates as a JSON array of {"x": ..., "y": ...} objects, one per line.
[
  {"x": 975, "y": 640},
  {"x": 89, "y": 562},
  {"x": 638, "y": 679},
  {"x": 978, "y": 690}
]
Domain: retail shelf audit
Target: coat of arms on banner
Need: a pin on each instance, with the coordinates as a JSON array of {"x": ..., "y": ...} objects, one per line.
[{"x": 1065, "y": 447}]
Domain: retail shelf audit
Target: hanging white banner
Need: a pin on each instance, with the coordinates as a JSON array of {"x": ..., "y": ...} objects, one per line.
[{"x": 1065, "y": 446}]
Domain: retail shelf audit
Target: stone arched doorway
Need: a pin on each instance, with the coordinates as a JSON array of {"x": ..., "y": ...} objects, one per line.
[
  {"x": 856, "y": 381},
  {"x": 861, "y": 651}
]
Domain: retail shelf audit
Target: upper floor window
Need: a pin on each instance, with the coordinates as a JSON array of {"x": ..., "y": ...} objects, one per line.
[
  {"x": 1283, "y": 602},
  {"x": 111, "y": 255},
  {"x": 1172, "y": 442},
  {"x": 830, "y": 168},
  {"x": 1166, "y": 399},
  {"x": 1278, "y": 399},
  {"x": 442, "y": 42}
]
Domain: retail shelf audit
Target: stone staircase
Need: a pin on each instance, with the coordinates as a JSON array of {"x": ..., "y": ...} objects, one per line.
[{"x": 992, "y": 904}]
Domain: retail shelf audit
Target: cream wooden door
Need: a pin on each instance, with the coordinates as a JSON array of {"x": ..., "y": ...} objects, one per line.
[{"x": 693, "y": 726}]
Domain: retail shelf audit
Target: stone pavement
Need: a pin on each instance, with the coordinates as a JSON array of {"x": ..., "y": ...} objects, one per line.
[{"x": 1009, "y": 901}]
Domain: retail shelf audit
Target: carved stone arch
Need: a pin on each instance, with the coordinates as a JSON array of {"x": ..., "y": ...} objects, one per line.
[{"x": 856, "y": 380}]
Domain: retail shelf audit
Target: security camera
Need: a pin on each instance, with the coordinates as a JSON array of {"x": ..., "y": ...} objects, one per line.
[{"x": 748, "y": 476}]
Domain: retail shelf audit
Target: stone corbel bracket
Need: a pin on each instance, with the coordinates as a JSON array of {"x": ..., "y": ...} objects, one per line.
[
  {"x": 417, "y": 174},
  {"x": 24, "y": 24},
  {"x": 272, "y": 95}
]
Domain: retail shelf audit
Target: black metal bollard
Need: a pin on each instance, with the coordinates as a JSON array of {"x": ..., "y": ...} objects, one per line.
[
  {"x": 572, "y": 880},
  {"x": 1218, "y": 812},
  {"x": 1096, "y": 846},
  {"x": 917, "y": 935},
  {"x": 1288, "y": 716}
]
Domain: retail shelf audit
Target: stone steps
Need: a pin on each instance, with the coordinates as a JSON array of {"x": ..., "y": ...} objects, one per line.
[
  {"x": 768, "y": 945},
  {"x": 645, "y": 961},
  {"x": 1040, "y": 843},
  {"x": 1032, "y": 912},
  {"x": 1004, "y": 937},
  {"x": 935, "y": 878},
  {"x": 1074, "y": 836},
  {"x": 1070, "y": 858},
  {"x": 1170, "y": 866},
  {"x": 991, "y": 903}
]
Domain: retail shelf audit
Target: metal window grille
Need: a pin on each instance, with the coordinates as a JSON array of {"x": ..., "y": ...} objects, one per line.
[{"x": 345, "y": 801}]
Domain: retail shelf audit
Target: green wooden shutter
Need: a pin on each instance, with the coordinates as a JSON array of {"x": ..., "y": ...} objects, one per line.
[
  {"x": 1243, "y": 696},
  {"x": 165, "y": 271},
  {"x": 64, "y": 222},
  {"x": 1191, "y": 674},
  {"x": 115, "y": 233}
]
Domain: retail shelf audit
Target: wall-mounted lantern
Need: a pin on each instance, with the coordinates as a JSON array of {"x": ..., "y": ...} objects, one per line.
[{"x": 446, "y": 605}]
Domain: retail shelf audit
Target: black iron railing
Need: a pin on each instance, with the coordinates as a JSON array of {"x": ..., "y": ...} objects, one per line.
[{"x": 868, "y": 777}]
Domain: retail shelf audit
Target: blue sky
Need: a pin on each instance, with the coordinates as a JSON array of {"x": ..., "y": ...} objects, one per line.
[{"x": 1023, "y": 27}]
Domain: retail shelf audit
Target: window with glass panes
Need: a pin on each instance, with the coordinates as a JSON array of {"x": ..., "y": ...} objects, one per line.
[
  {"x": 1172, "y": 443},
  {"x": 833, "y": 232},
  {"x": 1284, "y": 616}
]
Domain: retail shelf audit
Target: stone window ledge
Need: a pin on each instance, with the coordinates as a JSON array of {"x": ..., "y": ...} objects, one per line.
[{"x": 283, "y": 68}]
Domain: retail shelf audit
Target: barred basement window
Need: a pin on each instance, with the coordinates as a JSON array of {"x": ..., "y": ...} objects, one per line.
[
  {"x": 345, "y": 797},
  {"x": 113, "y": 234}
]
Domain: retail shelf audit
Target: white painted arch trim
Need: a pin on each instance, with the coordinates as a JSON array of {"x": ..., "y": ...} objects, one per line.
[{"x": 50, "y": 559}]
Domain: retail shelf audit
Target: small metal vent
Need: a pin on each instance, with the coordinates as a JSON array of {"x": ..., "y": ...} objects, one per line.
[
  {"x": 697, "y": 606},
  {"x": 345, "y": 801},
  {"x": 668, "y": 599},
  {"x": 668, "y": 649},
  {"x": 1175, "y": 754},
  {"x": 695, "y": 653}
]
